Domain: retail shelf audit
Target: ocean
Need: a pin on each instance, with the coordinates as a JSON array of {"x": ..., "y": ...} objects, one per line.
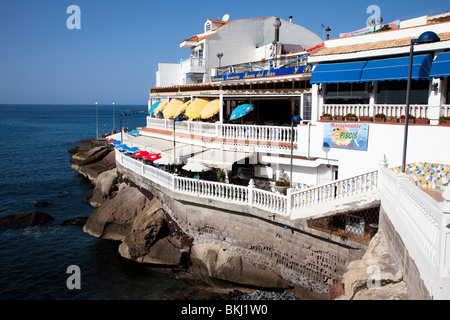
[{"x": 35, "y": 166}]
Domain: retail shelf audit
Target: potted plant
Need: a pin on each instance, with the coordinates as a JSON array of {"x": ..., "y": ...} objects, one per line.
[
  {"x": 365, "y": 119},
  {"x": 281, "y": 186},
  {"x": 411, "y": 118},
  {"x": 445, "y": 121},
  {"x": 380, "y": 117},
  {"x": 350, "y": 117},
  {"x": 392, "y": 119},
  {"x": 325, "y": 117},
  {"x": 423, "y": 120},
  {"x": 338, "y": 118}
]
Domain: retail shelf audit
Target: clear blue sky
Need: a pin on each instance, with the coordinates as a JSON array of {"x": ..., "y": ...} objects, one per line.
[{"x": 114, "y": 56}]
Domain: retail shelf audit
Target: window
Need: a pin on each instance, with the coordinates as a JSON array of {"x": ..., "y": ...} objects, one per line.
[
  {"x": 307, "y": 106},
  {"x": 208, "y": 26},
  {"x": 394, "y": 92},
  {"x": 348, "y": 93}
]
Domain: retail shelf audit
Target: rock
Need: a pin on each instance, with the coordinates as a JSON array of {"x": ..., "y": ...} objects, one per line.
[
  {"x": 26, "y": 219},
  {"x": 78, "y": 221},
  {"x": 41, "y": 204},
  {"x": 150, "y": 239},
  {"x": 114, "y": 219},
  {"x": 224, "y": 261},
  {"x": 103, "y": 187},
  {"x": 375, "y": 276},
  {"x": 93, "y": 162}
]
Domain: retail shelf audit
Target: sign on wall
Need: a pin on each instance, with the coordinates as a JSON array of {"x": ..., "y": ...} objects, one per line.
[
  {"x": 264, "y": 73},
  {"x": 346, "y": 135}
]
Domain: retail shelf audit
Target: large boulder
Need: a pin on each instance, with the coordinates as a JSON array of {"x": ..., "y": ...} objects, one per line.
[
  {"x": 93, "y": 162},
  {"x": 26, "y": 219},
  {"x": 103, "y": 187},
  {"x": 152, "y": 241},
  {"x": 375, "y": 276},
  {"x": 114, "y": 219},
  {"x": 226, "y": 262}
]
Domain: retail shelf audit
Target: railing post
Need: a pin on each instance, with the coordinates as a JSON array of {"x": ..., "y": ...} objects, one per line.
[
  {"x": 250, "y": 187},
  {"x": 289, "y": 202}
]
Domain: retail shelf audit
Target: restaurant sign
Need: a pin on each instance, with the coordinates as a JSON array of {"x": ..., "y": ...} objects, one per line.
[
  {"x": 306, "y": 69},
  {"x": 345, "y": 135}
]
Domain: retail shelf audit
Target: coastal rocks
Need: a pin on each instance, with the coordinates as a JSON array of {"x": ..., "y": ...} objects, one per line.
[
  {"x": 35, "y": 218},
  {"x": 114, "y": 219},
  {"x": 41, "y": 204},
  {"x": 93, "y": 162},
  {"x": 223, "y": 261},
  {"x": 375, "y": 276},
  {"x": 78, "y": 221},
  {"x": 103, "y": 187}
]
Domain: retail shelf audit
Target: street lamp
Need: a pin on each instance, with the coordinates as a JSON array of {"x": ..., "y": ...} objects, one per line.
[
  {"x": 177, "y": 119},
  {"x": 277, "y": 25},
  {"x": 426, "y": 37},
  {"x": 328, "y": 31},
  {"x": 295, "y": 119},
  {"x": 96, "y": 119},
  {"x": 220, "y": 55},
  {"x": 114, "y": 116}
]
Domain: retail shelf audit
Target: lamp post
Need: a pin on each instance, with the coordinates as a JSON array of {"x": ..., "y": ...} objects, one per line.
[
  {"x": 426, "y": 37},
  {"x": 96, "y": 119},
  {"x": 220, "y": 55},
  {"x": 114, "y": 116},
  {"x": 295, "y": 119},
  {"x": 328, "y": 31},
  {"x": 177, "y": 119}
]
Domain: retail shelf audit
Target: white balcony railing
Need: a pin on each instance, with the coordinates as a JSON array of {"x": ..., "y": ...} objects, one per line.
[
  {"x": 195, "y": 65},
  {"x": 274, "y": 137},
  {"x": 250, "y": 195},
  {"x": 389, "y": 110},
  {"x": 423, "y": 225}
]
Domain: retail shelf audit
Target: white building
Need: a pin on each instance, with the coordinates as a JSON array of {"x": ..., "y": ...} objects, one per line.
[{"x": 237, "y": 42}]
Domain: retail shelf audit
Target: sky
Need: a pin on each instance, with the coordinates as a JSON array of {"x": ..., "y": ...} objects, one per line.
[{"x": 114, "y": 55}]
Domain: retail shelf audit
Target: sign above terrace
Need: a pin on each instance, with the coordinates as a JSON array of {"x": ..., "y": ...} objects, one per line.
[{"x": 298, "y": 70}]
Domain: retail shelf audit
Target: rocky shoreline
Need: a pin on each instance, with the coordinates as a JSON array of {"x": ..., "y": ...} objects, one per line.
[{"x": 147, "y": 234}]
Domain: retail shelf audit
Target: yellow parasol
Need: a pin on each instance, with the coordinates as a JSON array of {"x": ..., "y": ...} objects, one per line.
[
  {"x": 160, "y": 107},
  {"x": 170, "y": 109},
  {"x": 211, "y": 109},
  {"x": 181, "y": 108},
  {"x": 195, "y": 108}
]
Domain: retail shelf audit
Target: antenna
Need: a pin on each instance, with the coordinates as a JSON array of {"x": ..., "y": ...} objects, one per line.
[{"x": 226, "y": 17}]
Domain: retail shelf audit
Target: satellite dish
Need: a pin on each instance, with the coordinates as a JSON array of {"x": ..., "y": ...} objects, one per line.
[{"x": 226, "y": 17}]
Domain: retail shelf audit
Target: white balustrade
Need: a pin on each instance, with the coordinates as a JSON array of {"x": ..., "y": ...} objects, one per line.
[
  {"x": 421, "y": 223},
  {"x": 335, "y": 190},
  {"x": 389, "y": 110},
  {"x": 270, "y": 201}
]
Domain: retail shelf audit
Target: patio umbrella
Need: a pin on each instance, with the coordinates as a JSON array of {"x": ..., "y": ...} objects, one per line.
[
  {"x": 195, "y": 108},
  {"x": 122, "y": 147},
  {"x": 132, "y": 150},
  {"x": 110, "y": 140},
  {"x": 115, "y": 143},
  {"x": 164, "y": 161},
  {"x": 152, "y": 157},
  {"x": 181, "y": 108},
  {"x": 173, "y": 106},
  {"x": 134, "y": 133},
  {"x": 153, "y": 107},
  {"x": 140, "y": 154},
  {"x": 161, "y": 106},
  {"x": 195, "y": 167},
  {"x": 241, "y": 111},
  {"x": 211, "y": 109}
]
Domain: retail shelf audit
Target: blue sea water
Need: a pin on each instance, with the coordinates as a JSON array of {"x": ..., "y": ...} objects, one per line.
[{"x": 34, "y": 166}]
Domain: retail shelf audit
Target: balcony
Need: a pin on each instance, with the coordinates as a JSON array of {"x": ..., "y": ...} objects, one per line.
[{"x": 193, "y": 65}]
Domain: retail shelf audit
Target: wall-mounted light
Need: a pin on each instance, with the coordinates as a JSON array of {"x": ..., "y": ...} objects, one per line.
[{"x": 434, "y": 87}]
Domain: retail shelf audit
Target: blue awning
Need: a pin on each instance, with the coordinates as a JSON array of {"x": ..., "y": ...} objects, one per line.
[
  {"x": 441, "y": 66},
  {"x": 153, "y": 107},
  {"x": 397, "y": 69},
  {"x": 337, "y": 72}
]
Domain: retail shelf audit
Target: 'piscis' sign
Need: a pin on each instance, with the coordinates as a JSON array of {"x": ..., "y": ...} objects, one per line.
[{"x": 264, "y": 73}]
